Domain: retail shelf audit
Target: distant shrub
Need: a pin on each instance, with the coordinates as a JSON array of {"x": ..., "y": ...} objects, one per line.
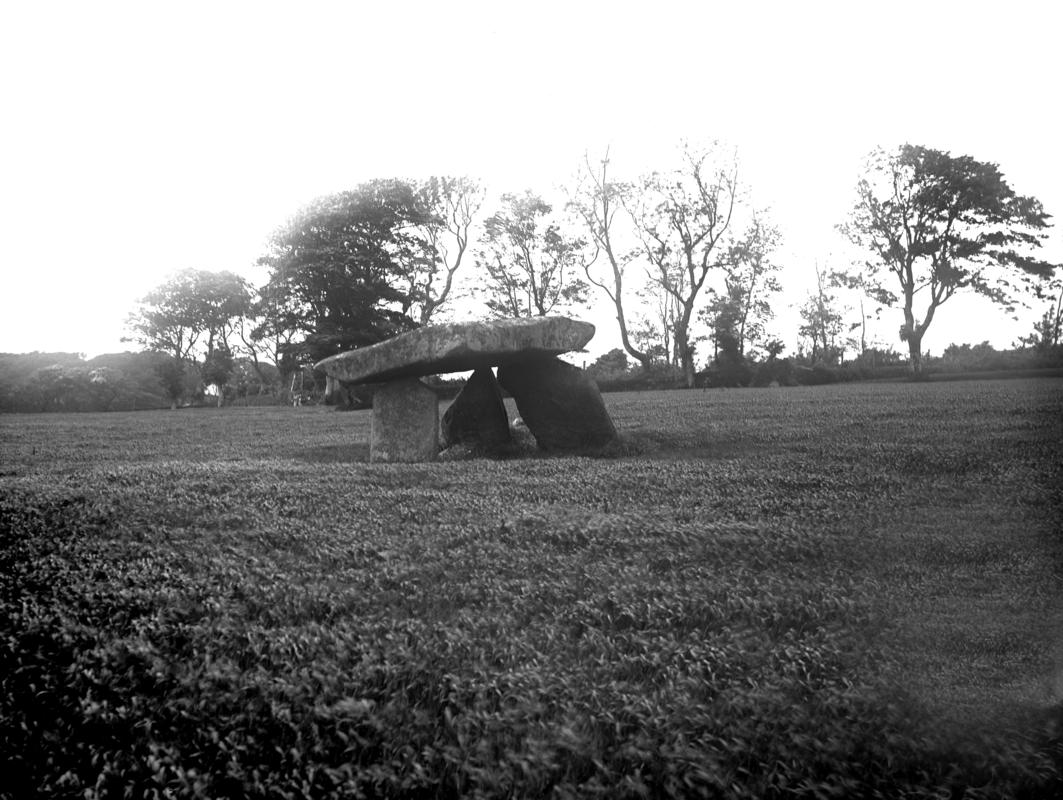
[
  {"x": 614, "y": 364},
  {"x": 778, "y": 372},
  {"x": 659, "y": 376},
  {"x": 816, "y": 375},
  {"x": 985, "y": 358}
]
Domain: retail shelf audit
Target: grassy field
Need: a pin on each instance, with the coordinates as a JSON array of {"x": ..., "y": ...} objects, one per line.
[{"x": 827, "y": 591}]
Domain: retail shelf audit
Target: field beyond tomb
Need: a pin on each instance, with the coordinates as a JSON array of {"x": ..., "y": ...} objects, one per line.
[{"x": 847, "y": 590}]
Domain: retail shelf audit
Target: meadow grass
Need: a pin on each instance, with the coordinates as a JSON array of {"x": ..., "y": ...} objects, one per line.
[{"x": 847, "y": 590}]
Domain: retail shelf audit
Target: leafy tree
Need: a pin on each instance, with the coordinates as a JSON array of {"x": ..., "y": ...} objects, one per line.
[
  {"x": 965, "y": 357},
  {"x": 611, "y": 363},
  {"x": 682, "y": 219},
  {"x": 336, "y": 271},
  {"x": 110, "y": 387},
  {"x": 743, "y": 309},
  {"x": 173, "y": 377},
  {"x": 274, "y": 337},
  {"x": 596, "y": 201},
  {"x": 822, "y": 321},
  {"x": 939, "y": 224},
  {"x": 192, "y": 311},
  {"x": 730, "y": 365},
  {"x": 751, "y": 279},
  {"x": 774, "y": 349},
  {"x": 723, "y": 315},
  {"x": 226, "y": 302},
  {"x": 57, "y": 387},
  {"x": 530, "y": 262},
  {"x": 1048, "y": 330},
  {"x": 169, "y": 319},
  {"x": 218, "y": 367}
]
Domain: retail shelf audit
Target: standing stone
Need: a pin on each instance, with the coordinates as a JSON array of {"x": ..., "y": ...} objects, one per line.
[
  {"x": 405, "y": 423},
  {"x": 477, "y": 416},
  {"x": 561, "y": 406}
]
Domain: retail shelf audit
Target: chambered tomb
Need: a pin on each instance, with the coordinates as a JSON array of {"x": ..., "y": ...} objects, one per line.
[{"x": 560, "y": 405}]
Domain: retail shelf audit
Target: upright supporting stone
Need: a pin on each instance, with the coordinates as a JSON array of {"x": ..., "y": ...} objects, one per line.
[
  {"x": 559, "y": 403},
  {"x": 405, "y": 423},
  {"x": 477, "y": 416}
]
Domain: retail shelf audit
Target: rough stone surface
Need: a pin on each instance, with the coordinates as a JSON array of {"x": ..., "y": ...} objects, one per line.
[
  {"x": 477, "y": 416},
  {"x": 561, "y": 406},
  {"x": 523, "y": 441},
  {"x": 457, "y": 347},
  {"x": 405, "y": 423}
]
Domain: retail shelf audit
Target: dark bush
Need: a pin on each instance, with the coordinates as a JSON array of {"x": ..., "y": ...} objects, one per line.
[
  {"x": 817, "y": 375},
  {"x": 778, "y": 372}
]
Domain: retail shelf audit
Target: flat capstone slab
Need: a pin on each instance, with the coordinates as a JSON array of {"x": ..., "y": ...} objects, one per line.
[{"x": 457, "y": 347}]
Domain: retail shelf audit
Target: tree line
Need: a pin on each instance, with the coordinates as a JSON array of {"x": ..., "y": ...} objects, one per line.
[{"x": 675, "y": 252}]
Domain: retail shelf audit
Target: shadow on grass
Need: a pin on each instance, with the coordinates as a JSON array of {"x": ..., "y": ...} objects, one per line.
[
  {"x": 635, "y": 444},
  {"x": 654, "y": 444},
  {"x": 357, "y": 453}
]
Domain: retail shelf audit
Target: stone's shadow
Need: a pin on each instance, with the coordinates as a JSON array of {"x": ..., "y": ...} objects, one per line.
[
  {"x": 657, "y": 445},
  {"x": 647, "y": 444},
  {"x": 355, "y": 453}
]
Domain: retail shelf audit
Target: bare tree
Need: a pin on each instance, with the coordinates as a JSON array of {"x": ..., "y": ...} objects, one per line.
[
  {"x": 822, "y": 320},
  {"x": 450, "y": 205},
  {"x": 683, "y": 218},
  {"x": 596, "y": 201}
]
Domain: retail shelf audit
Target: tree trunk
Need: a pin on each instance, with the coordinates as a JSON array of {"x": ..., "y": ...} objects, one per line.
[
  {"x": 625, "y": 339},
  {"x": 687, "y": 357},
  {"x": 863, "y": 328},
  {"x": 684, "y": 352},
  {"x": 915, "y": 354},
  {"x": 910, "y": 334}
]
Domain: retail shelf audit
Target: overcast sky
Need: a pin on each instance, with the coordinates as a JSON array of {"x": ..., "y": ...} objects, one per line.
[{"x": 142, "y": 138}]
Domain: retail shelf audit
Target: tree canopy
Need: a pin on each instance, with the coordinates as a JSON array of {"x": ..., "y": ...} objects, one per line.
[
  {"x": 193, "y": 308},
  {"x": 193, "y": 312},
  {"x": 743, "y": 309},
  {"x": 335, "y": 269},
  {"x": 529, "y": 260},
  {"x": 937, "y": 224},
  {"x": 357, "y": 267}
]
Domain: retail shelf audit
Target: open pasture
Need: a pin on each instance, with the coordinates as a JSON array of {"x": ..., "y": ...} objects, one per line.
[{"x": 825, "y": 591}]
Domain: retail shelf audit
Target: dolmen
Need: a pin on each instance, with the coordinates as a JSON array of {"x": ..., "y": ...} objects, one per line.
[{"x": 559, "y": 403}]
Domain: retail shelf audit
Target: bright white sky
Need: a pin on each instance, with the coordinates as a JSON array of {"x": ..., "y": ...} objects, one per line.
[{"x": 141, "y": 138}]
